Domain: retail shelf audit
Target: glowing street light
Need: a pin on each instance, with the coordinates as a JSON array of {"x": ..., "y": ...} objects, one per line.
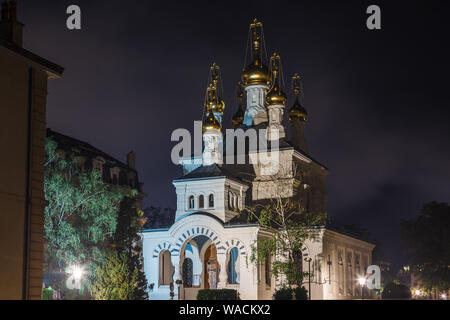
[
  {"x": 417, "y": 292},
  {"x": 362, "y": 281},
  {"x": 74, "y": 280},
  {"x": 77, "y": 272},
  {"x": 443, "y": 296}
]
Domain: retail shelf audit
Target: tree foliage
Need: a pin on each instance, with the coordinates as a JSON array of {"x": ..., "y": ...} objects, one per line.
[
  {"x": 81, "y": 213},
  {"x": 396, "y": 291},
  {"x": 115, "y": 279},
  {"x": 427, "y": 239},
  {"x": 289, "y": 226},
  {"x": 286, "y": 225},
  {"x": 128, "y": 241}
]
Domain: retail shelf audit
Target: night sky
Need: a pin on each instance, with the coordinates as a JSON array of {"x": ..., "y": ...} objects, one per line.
[{"x": 377, "y": 100}]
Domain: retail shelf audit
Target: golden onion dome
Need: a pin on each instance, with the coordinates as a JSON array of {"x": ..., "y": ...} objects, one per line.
[
  {"x": 276, "y": 95},
  {"x": 211, "y": 123},
  {"x": 297, "y": 112},
  {"x": 255, "y": 73}
]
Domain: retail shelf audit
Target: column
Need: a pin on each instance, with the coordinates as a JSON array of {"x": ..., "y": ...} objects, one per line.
[
  {"x": 223, "y": 277},
  {"x": 176, "y": 274}
]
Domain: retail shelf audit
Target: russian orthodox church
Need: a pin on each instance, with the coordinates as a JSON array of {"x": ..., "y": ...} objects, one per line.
[{"x": 207, "y": 247}]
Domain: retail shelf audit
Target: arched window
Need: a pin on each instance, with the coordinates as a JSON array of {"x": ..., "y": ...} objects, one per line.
[
  {"x": 165, "y": 268},
  {"x": 201, "y": 201},
  {"x": 233, "y": 268},
  {"x": 211, "y": 201},
  {"x": 191, "y": 202}
]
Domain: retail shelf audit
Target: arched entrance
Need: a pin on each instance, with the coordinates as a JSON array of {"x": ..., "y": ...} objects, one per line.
[
  {"x": 211, "y": 267},
  {"x": 198, "y": 265}
]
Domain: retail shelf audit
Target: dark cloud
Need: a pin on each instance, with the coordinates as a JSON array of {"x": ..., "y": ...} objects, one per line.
[{"x": 378, "y": 101}]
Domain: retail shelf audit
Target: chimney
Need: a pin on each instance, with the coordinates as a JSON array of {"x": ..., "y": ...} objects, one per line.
[
  {"x": 131, "y": 160},
  {"x": 10, "y": 28}
]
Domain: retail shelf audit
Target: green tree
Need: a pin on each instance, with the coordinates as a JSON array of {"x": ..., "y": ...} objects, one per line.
[
  {"x": 115, "y": 279},
  {"x": 127, "y": 241},
  {"x": 427, "y": 239},
  {"x": 288, "y": 226},
  {"x": 81, "y": 214}
]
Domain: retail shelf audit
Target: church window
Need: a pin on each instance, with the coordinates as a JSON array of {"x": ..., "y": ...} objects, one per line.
[
  {"x": 201, "y": 202},
  {"x": 233, "y": 266},
  {"x": 165, "y": 268},
  {"x": 211, "y": 201},
  {"x": 191, "y": 202}
]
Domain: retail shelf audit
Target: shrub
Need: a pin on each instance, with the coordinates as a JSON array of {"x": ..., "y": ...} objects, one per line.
[
  {"x": 396, "y": 291},
  {"x": 218, "y": 294},
  {"x": 301, "y": 293},
  {"x": 284, "y": 293},
  {"x": 47, "y": 294}
]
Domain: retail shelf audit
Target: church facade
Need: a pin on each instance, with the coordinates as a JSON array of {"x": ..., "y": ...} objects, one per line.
[{"x": 207, "y": 247}]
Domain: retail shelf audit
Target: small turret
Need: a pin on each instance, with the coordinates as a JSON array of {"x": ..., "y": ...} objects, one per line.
[
  {"x": 275, "y": 100},
  {"x": 298, "y": 116},
  {"x": 212, "y": 123}
]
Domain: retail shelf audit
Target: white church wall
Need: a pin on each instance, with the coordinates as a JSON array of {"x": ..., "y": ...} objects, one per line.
[{"x": 185, "y": 189}]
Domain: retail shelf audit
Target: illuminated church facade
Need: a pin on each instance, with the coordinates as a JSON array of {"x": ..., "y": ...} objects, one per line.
[{"x": 208, "y": 247}]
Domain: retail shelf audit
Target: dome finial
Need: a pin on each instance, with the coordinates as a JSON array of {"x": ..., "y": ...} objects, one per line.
[
  {"x": 256, "y": 72},
  {"x": 213, "y": 101}
]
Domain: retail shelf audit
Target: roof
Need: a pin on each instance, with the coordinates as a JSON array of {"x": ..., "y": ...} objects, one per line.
[
  {"x": 52, "y": 67},
  {"x": 211, "y": 171},
  {"x": 207, "y": 214},
  {"x": 66, "y": 142}
]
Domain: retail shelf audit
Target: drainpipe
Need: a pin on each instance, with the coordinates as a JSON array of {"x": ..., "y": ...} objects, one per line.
[{"x": 26, "y": 244}]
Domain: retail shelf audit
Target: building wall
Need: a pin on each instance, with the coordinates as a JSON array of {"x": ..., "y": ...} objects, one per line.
[
  {"x": 14, "y": 102},
  {"x": 343, "y": 251}
]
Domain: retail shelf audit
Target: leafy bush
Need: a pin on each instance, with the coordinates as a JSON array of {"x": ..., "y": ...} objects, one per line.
[
  {"x": 218, "y": 294},
  {"x": 301, "y": 293},
  {"x": 396, "y": 291},
  {"x": 47, "y": 294},
  {"x": 284, "y": 293}
]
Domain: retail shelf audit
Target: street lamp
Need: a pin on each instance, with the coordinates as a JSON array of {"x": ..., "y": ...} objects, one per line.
[
  {"x": 77, "y": 273},
  {"x": 73, "y": 282},
  {"x": 362, "y": 282}
]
